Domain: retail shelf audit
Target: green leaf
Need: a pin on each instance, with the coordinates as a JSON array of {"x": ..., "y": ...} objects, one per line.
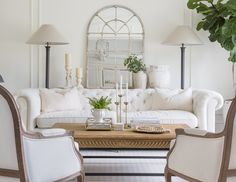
[
  {"x": 101, "y": 103},
  {"x": 200, "y": 25},
  {"x": 234, "y": 39},
  {"x": 231, "y": 5},
  {"x": 232, "y": 57},
  {"x": 134, "y": 64},
  {"x": 227, "y": 44},
  {"x": 210, "y": 21},
  {"x": 229, "y": 28},
  {"x": 202, "y": 8}
]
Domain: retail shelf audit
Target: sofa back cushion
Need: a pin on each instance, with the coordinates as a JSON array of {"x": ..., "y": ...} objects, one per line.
[
  {"x": 59, "y": 100},
  {"x": 173, "y": 100},
  {"x": 139, "y": 99}
]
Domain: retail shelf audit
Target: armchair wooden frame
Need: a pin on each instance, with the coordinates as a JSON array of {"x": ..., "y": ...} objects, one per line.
[
  {"x": 227, "y": 133},
  {"x": 19, "y": 133}
]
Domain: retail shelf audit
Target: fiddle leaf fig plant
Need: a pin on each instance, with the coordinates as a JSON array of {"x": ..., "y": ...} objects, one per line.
[{"x": 219, "y": 19}]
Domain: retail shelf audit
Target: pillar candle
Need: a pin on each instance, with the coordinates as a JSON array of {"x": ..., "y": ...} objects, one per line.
[
  {"x": 117, "y": 92},
  {"x": 68, "y": 60},
  {"x": 79, "y": 72}
]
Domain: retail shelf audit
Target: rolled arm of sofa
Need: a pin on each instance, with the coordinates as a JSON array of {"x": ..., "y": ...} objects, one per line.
[
  {"x": 205, "y": 103},
  {"x": 32, "y": 106}
]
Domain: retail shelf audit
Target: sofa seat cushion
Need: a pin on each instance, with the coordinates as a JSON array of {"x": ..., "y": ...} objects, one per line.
[
  {"x": 166, "y": 117},
  {"x": 47, "y": 120}
]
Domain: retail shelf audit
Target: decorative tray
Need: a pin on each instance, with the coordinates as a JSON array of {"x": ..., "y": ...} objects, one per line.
[
  {"x": 155, "y": 129},
  {"x": 91, "y": 124}
]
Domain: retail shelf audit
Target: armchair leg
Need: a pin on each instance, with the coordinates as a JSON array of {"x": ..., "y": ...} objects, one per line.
[
  {"x": 167, "y": 176},
  {"x": 80, "y": 178}
]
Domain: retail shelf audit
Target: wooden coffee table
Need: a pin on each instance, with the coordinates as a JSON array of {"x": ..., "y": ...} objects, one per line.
[{"x": 127, "y": 139}]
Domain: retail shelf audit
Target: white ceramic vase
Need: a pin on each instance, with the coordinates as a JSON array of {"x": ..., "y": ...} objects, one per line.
[
  {"x": 98, "y": 115},
  {"x": 159, "y": 76},
  {"x": 139, "y": 80}
]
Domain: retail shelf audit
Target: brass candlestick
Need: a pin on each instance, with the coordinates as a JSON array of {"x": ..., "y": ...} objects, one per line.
[
  {"x": 79, "y": 82},
  {"x": 120, "y": 103},
  {"x": 127, "y": 126}
]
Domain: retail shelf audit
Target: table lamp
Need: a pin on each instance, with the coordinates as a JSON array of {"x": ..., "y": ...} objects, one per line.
[
  {"x": 183, "y": 36},
  {"x": 47, "y": 35}
]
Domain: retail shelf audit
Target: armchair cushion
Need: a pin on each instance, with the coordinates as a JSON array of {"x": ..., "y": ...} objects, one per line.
[
  {"x": 197, "y": 157},
  {"x": 173, "y": 99},
  {"x": 59, "y": 100},
  {"x": 42, "y": 158}
]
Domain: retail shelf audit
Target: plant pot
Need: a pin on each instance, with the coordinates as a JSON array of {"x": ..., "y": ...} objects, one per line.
[
  {"x": 98, "y": 115},
  {"x": 159, "y": 76},
  {"x": 139, "y": 80}
]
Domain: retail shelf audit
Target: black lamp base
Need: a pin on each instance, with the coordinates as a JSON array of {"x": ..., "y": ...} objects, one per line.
[
  {"x": 47, "y": 65},
  {"x": 182, "y": 65}
]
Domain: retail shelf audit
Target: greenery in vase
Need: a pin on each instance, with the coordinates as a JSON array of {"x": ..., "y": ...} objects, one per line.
[
  {"x": 220, "y": 20},
  {"x": 134, "y": 64},
  {"x": 100, "y": 103}
]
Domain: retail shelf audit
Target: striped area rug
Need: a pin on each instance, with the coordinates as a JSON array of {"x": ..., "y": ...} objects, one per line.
[{"x": 125, "y": 165}]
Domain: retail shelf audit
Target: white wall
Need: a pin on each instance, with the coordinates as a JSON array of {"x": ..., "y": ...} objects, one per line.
[{"x": 23, "y": 66}]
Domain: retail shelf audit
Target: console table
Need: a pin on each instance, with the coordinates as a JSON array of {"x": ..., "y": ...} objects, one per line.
[{"x": 120, "y": 139}]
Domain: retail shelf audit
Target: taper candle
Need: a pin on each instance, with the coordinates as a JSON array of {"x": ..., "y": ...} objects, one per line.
[
  {"x": 117, "y": 92},
  {"x": 126, "y": 94},
  {"x": 121, "y": 80}
]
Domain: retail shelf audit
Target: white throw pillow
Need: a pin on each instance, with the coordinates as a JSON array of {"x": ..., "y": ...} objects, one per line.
[
  {"x": 173, "y": 100},
  {"x": 59, "y": 100}
]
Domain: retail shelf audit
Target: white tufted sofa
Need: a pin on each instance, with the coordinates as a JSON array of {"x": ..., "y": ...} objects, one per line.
[{"x": 205, "y": 103}]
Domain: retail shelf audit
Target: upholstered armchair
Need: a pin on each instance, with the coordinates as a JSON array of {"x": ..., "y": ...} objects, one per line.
[
  {"x": 197, "y": 155},
  {"x": 34, "y": 157}
]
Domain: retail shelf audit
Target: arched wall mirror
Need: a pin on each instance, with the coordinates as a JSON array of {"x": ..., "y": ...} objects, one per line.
[{"x": 113, "y": 33}]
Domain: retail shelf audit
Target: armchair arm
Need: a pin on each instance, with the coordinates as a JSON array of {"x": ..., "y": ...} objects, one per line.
[
  {"x": 53, "y": 132},
  {"x": 33, "y": 105},
  {"x": 194, "y": 131},
  {"x": 205, "y": 103},
  {"x": 196, "y": 156}
]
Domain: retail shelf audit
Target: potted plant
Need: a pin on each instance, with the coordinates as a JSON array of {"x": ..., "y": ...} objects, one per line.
[
  {"x": 99, "y": 106},
  {"x": 138, "y": 69},
  {"x": 219, "y": 19}
]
